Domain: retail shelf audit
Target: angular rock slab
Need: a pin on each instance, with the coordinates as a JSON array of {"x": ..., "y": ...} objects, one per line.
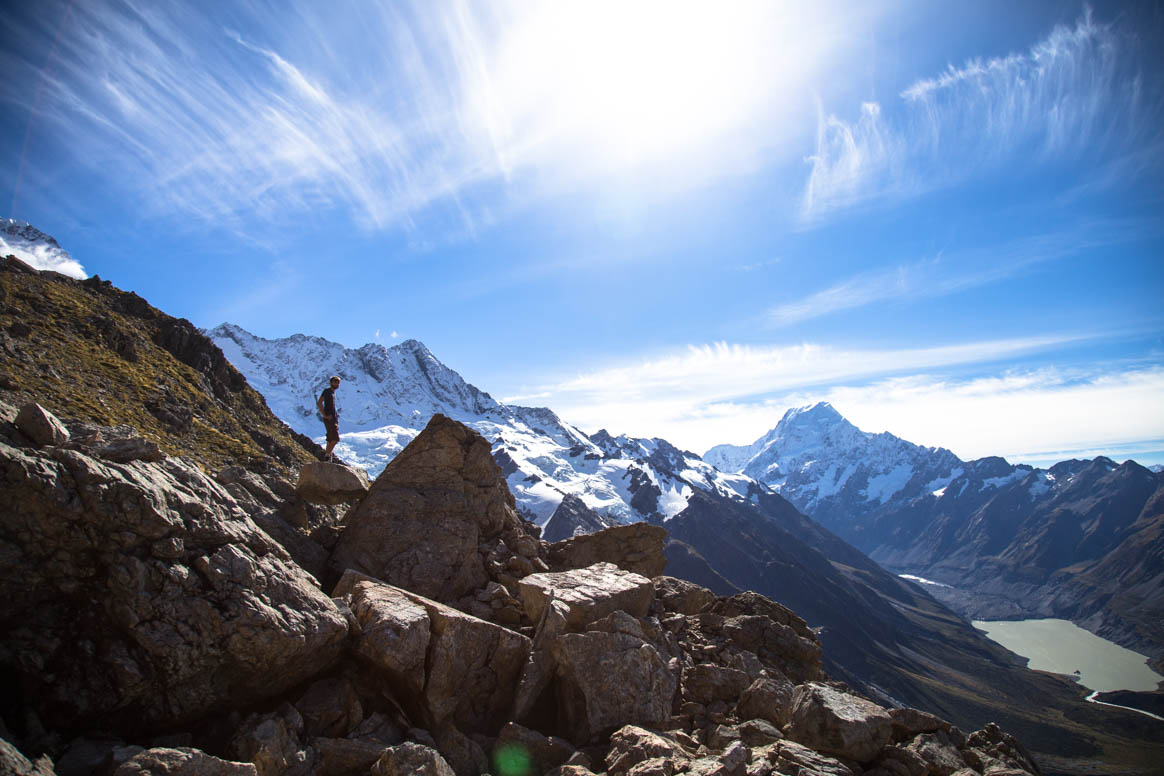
[
  {"x": 421, "y": 523},
  {"x": 140, "y": 594},
  {"x": 460, "y": 670},
  {"x": 41, "y": 426},
  {"x": 395, "y": 632},
  {"x": 473, "y": 669},
  {"x": 410, "y": 759},
  {"x": 838, "y": 723},
  {"x": 590, "y": 593},
  {"x": 637, "y": 547},
  {"x": 323, "y": 482},
  {"x": 607, "y": 680}
]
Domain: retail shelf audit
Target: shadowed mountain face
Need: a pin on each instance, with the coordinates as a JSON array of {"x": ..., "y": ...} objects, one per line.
[
  {"x": 881, "y": 633},
  {"x": 1073, "y": 541}
]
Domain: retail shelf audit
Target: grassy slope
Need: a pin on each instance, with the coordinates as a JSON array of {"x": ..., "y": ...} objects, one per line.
[{"x": 88, "y": 351}]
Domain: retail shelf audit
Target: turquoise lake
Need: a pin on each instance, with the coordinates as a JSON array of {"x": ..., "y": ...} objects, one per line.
[{"x": 1063, "y": 647}]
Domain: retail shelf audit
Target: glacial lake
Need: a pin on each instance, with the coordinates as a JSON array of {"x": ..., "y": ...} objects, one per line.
[{"x": 1063, "y": 647}]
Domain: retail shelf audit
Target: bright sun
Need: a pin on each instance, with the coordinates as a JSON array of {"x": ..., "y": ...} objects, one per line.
[{"x": 635, "y": 81}]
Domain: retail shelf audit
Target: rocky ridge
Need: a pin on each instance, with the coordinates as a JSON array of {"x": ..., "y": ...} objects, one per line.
[{"x": 153, "y": 626}]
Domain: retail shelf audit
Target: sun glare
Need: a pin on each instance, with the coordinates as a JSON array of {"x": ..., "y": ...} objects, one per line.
[{"x": 637, "y": 81}]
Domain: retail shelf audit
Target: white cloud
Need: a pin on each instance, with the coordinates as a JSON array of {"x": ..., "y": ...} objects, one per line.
[
  {"x": 43, "y": 256},
  {"x": 724, "y": 393},
  {"x": 1077, "y": 90}
]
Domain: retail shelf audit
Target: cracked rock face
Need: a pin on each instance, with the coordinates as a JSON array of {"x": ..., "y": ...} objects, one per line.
[
  {"x": 589, "y": 594},
  {"x": 142, "y": 592},
  {"x": 421, "y": 523}
]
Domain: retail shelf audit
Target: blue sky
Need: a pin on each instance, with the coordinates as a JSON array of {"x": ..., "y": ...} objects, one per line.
[{"x": 664, "y": 218}]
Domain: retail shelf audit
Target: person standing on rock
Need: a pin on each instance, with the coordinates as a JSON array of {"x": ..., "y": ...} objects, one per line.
[{"x": 326, "y": 406}]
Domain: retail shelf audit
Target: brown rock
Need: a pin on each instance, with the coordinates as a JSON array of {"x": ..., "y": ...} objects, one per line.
[
  {"x": 767, "y": 699},
  {"x": 707, "y": 682},
  {"x": 630, "y": 745},
  {"x": 907, "y": 723},
  {"x": 589, "y": 593},
  {"x": 637, "y": 548},
  {"x": 330, "y": 707},
  {"x": 346, "y": 756},
  {"x": 271, "y": 742},
  {"x": 609, "y": 679},
  {"x": 517, "y": 743},
  {"x": 409, "y": 759},
  {"x": 938, "y": 751},
  {"x": 41, "y": 426},
  {"x": 324, "y": 482},
  {"x": 421, "y": 523},
  {"x": 13, "y": 763},
  {"x": 680, "y": 596},
  {"x": 181, "y": 762},
  {"x": 838, "y": 723},
  {"x": 151, "y": 595},
  {"x": 473, "y": 668},
  {"x": 394, "y": 633},
  {"x": 790, "y": 757}
]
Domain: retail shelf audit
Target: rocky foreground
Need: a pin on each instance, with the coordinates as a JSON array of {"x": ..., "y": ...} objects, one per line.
[{"x": 161, "y": 620}]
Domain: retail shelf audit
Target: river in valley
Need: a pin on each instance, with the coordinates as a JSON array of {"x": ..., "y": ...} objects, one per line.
[{"x": 1063, "y": 647}]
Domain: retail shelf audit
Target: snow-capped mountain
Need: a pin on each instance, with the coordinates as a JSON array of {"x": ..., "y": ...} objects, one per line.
[
  {"x": 1004, "y": 540},
  {"x": 832, "y": 470},
  {"x": 37, "y": 249},
  {"x": 389, "y": 394}
]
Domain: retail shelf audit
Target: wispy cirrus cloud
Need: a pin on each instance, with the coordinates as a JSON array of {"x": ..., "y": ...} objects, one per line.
[
  {"x": 386, "y": 112},
  {"x": 1079, "y": 89},
  {"x": 946, "y": 274}
]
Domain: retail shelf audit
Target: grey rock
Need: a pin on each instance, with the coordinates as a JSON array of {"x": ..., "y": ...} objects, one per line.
[
  {"x": 637, "y": 548},
  {"x": 181, "y": 762},
  {"x": 605, "y": 680},
  {"x": 542, "y": 752},
  {"x": 41, "y": 426},
  {"x": 907, "y": 723},
  {"x": 768, "y": 699},
  {"x": 323, "y": 482},
  {"x": 13, "y": 763},
  {"x": 150, "y": 594},
  {"x": 793, "y": 759},
  {"x": 838, "y": 723},
  {"x": 394, "y": 633},
  {"x": 409, "y": 759},
  {"x": 272, "y": 742},
  {"x": 424, "y": 518},
  {"x": 589, "y": 593},
  {"x": 680, "y": 596},
  {"x": 707, "y": 682},
  {"x": 346, "y": 756},
  {"x": 631, "y": 745},
  {"x": 330, "y": 707}
]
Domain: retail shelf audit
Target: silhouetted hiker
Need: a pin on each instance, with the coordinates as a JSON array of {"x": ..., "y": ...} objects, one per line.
[{"x": 326, "y": 405}]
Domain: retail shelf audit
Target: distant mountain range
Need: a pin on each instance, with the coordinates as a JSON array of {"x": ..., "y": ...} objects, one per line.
[
  {"x": 1081, "y": 540},
  {"x": 389, "y": 394}
]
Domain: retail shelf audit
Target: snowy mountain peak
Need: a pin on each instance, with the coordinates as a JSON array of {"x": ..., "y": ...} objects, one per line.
[
  {"x": 389, "y": 394},
  {"x": 821, "y": 414},
  {"x": 37, "y": 249}
]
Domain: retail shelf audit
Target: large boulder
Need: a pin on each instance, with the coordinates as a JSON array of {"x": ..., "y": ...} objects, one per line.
[
  {"x": 453, "y": 668},
  {"x": 140, "y": 595},
  {"x": 606, "y": 680},
  {"x": 41, "y": 426},
  {"x": 324, "y": 482},
  {"x": 589, "y": 593},
  {"x": 394, "y": 634},
  {"x": 637, "y": 547},
  {"x": 421, "y": 523},
  {"x": 835, "y": 722}
]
